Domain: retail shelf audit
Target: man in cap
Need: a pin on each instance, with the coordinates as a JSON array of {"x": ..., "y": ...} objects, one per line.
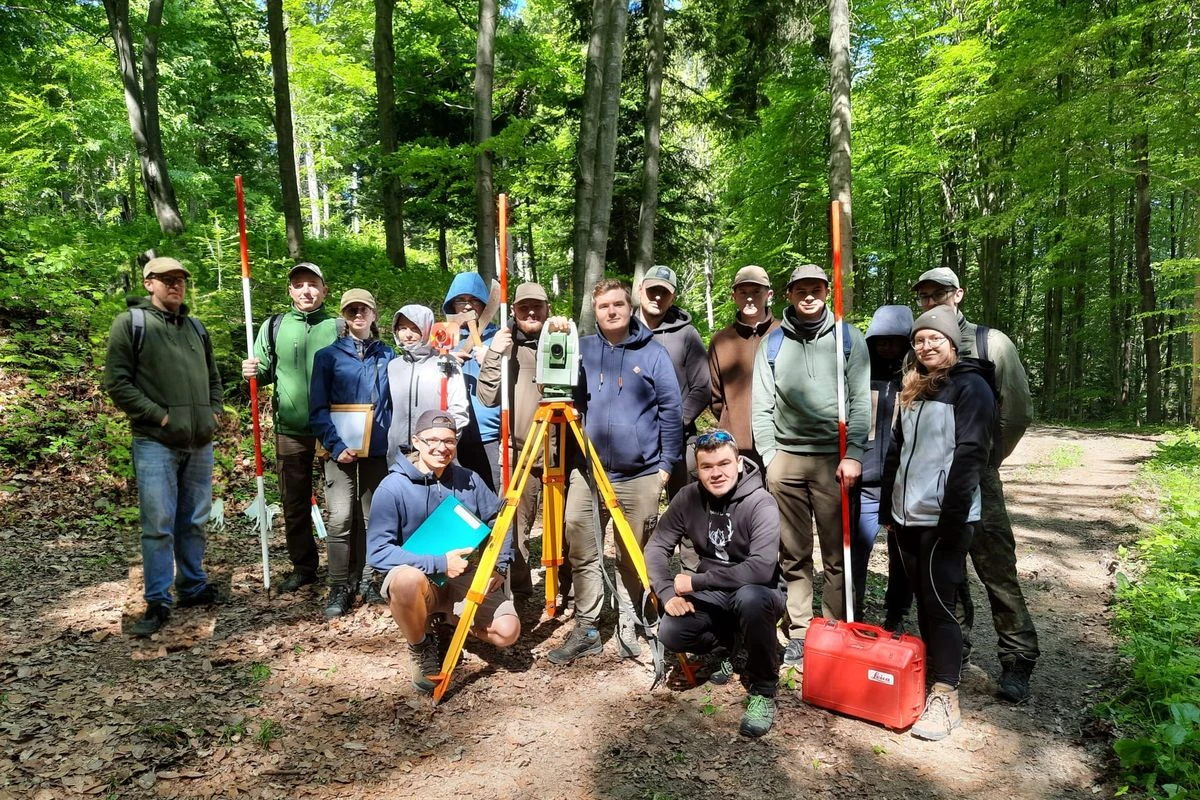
[
  {"x": 672, "y": 328},
  {"x": 518, "y": 343},
  {"x": 283, "y": 356},
  {"x": 416, "y": 586},
  {"x": 160, "y": 371},
  {"x": 795, "y": 422},
  {"x": 994, "y": 549},
  {"x": 732, "y": 351}
]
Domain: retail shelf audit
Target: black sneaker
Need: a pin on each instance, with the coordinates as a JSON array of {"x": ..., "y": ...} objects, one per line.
[
  {"x": 155, "y": 617},
  {"x": 793, "y": 656},
  {"x": 340, "y": 601},
  {"x": 371, "y": 595},
  {"x": 1014, "y": 681},
  {"x": 425, "y": 662},
  {"x": 205, "y": 597},
  {"x": 296, "y": 579},
  {"x": 723, "y": 674},
  {"x": 581, "y": 641}
]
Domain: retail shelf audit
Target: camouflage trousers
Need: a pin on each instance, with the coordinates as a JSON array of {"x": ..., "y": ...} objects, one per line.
[{"x": 994, "y": 554}]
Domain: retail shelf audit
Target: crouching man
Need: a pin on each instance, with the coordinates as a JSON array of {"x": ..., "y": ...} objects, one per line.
[
  {"x": 734, "y": 598},
  {"x": 404, "y": 500}
]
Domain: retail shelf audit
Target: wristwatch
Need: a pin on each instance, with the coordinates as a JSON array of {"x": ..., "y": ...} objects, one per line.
[{"x": 502, "y": 570}]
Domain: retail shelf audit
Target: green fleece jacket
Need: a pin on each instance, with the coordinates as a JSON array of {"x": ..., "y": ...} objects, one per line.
[
  {"x": 300, "y": 336},
  {"x": 794, "y": 407},
  {"x": 174, "y": 377}
]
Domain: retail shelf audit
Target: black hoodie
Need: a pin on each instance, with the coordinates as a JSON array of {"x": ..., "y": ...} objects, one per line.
[{"x": 736, "y": 536}]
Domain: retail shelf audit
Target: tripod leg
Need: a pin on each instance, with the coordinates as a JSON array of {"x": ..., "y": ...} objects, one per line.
[{"x": 553, "y": 494}]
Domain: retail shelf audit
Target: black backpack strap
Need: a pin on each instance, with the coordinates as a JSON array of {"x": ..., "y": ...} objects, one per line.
[
  {"x": 981, "y": 348},
  {"x": 846, "y": 343},
  {"x": 137, "y": 333},
  {"x": 275, "y": 323}
]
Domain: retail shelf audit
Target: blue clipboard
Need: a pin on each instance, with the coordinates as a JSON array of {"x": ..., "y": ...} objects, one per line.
[{"x": 451, "y": 526}]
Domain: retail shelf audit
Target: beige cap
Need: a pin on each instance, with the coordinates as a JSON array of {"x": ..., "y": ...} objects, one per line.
[
  {"x": 531, "y": 291},
  {"x": 752, "y": 273},
  {"x": 357, "y": 296},
  {"x": 162, "y": 265}
]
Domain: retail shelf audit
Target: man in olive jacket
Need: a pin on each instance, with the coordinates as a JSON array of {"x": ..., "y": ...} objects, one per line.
[
  {"x": 160, "y": 371},
  {"x": 283, "y": 355}
]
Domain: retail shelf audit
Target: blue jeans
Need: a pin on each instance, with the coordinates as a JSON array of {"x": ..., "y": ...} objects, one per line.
[{"x": 174, "y": 498}]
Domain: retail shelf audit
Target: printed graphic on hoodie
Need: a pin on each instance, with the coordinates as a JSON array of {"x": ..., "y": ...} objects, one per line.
[{"x": 720, "y": 533}]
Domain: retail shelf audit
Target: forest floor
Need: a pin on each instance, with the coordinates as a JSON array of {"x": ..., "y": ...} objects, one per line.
[{"x": 263, "y": 698}]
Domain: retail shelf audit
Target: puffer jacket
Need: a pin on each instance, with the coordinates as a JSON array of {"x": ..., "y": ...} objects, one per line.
[{"x": 339, "y": 376}]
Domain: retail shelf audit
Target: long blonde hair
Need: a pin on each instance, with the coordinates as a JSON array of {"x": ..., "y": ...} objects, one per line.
[{"x": 919, "y": 383}]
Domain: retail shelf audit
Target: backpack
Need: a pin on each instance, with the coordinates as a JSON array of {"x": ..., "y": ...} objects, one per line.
[
  {"x": 137, "y": 322},
  {"x": 276, "y": 322},
  {"x": 988, "y": 372},
  {"x": 775, "y": 341}
]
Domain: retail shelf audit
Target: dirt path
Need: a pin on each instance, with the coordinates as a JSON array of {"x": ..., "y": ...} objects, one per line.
[{"x": 263, "y": 699}]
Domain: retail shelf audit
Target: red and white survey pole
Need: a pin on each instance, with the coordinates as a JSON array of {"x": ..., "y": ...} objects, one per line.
[
  {"x": 260, "y": 502},
  {"x": 839, "y": 333},
  {"x": 502, "y": 270}
]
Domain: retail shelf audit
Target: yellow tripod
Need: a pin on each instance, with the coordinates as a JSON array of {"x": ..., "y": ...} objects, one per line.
[{"x": 560, "y": 414}]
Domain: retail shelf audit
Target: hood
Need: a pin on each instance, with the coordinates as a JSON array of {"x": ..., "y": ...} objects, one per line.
[
  {"x": 409, "y": 470},
  {"x": 761, "y": 328},
  {"x": 145, "y": 301},
  {"x": 638, "y": 336},
  {"x": 675, "y": 319},
  {"x": 968, "y": 365},
  {"x": 465, "y": 283},
  {"x": 748, "y": 481},
  {"x": 420, "y": 316},
  {"x": 891, "y": 321},
  {"x": 792, "y": 324}
]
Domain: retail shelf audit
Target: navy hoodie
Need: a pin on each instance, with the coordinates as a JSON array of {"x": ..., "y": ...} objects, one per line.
[
  {"x": 405, "y": 499},
  {"x": 338, "y": 376},
  {"x": 488, "y": 418},
  {"x": 631, "y": 403}
]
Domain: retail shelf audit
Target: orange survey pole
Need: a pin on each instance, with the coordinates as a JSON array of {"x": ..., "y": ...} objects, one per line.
[
  {"x": 835, "y": 217},
  {"x": 502, "y": 258}
]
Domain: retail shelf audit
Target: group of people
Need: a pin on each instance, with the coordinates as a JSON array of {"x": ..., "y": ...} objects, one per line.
[{"x": 932, "y": 407}]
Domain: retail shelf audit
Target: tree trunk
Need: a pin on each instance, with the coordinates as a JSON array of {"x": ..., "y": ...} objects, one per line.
[
  {"x": 314, "y": 193},
  {"x": 485, "y": 200},
  {"x": 391, "y": 191},
  {"x": 585, "y": 158},
  {"x": 654, "y": 79},
  {"x": 443, "y": 247},
  {"x": 143, "y": 109},
  {"x": 839, "y": 137},
  {"x": 1140, "y": 147},
  {"x": 286, "y": 155},
  {"x": 533, "y": 275},
  {"x": 1196, "y": 331}
]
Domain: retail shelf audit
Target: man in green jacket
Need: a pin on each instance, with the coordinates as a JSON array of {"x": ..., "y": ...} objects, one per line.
[
  {"x": 160, "y": 371},
  {"x": 794, "y": 416},
  {"x": 284, "y": 353}
]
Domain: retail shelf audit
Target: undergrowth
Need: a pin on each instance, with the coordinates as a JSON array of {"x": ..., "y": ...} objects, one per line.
[{"x": 1157, "y": 713}]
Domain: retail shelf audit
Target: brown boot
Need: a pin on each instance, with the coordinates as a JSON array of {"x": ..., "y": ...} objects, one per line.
[{"x": 941, "y": 715}]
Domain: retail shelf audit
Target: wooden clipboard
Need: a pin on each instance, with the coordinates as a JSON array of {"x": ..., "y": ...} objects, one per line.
[{"x": 353, "y": 422}]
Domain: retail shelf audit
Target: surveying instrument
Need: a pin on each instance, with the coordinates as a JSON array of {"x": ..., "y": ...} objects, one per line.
[{"x": 557, "y": 372}]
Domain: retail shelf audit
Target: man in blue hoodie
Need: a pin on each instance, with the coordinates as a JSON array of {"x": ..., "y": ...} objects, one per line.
[
  {"x": 468, "y": 292},
  {"x": 404, "y": 500},
  {"x": 631, "y": 402}
]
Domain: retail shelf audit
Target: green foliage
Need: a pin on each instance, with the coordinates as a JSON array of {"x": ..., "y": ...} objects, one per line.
[
  {"x": 258, "y": 673},
  {"x": 268, "y": 731},
  {"x": 1157, "y": 713}
]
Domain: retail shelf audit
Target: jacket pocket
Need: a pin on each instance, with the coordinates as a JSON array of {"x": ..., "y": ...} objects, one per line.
[{"x": 625, "y": 451}]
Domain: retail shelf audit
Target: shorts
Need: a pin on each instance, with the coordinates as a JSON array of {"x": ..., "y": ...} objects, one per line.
[{"x": 450, "y": 599}]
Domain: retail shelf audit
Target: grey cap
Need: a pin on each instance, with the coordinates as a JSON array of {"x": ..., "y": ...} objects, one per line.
[
  {"x": 434, "y": 418},
  {"x": 752, "y": 273},
  {"x": 660, "y": 275},
  {"x": 806, "y": 272},
  {"x": 306, "y": 266},
  {"x": 942, "y": 275}
]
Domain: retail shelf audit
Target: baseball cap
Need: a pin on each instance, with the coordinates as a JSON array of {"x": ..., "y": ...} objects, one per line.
[
  {"x": 752, "y": 273},
  {"x": 660, "y": 275},
  {"x": 162, "y": 265},
  {"x": 806, "y": 272},
  {"x": 306, "y": 266},
  {"x": 531, "y": 291},
  {"x": 942, "y": 275},
  {"x": 357, "y": 296},
  {"x": 434, "y": 418}
]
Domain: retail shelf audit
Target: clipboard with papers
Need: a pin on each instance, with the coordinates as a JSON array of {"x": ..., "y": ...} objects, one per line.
[{"x": 451, "y": 526}]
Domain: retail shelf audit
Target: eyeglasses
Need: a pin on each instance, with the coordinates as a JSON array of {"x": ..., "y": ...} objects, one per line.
[
  {"x": 714, "y": 439},
  {"x": 933, "y": 297},
  {"x": 932, "y": 343},
  {"x": 178, "y": 280},
  {"x": 434, "y": 444}
]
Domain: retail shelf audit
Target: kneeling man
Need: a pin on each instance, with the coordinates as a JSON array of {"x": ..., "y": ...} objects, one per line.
[
  {"x": 404, "y": 500},
  {"x": 734, "y": 597}
]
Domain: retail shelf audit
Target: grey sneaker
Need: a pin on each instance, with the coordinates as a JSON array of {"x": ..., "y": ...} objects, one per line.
[
  {"x": 628, "y": 645},
  {"x": 1014, "y": 681},
  {"x": 793, "y": 656},
  {"x": 425, "y": 662},
  {"x": 581, "y": 641},
  {"x": 759, "y": 716},
  {"x": 341, "y": 599},
  {"x": 941, "y": 715}
]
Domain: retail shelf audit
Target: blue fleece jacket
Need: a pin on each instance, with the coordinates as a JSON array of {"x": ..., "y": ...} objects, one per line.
[
  {"x": 405, "y": 499},
  {"x": 631, "y": 401},
  {"x": 338, "y": 376},
  {"x": 489, "y": 418}
]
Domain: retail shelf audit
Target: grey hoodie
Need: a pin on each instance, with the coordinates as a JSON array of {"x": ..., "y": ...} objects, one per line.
[{"x": 677, "y": 333}]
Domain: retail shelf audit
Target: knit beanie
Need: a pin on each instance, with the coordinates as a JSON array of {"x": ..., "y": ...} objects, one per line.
[{"x": 943, "y": 319}]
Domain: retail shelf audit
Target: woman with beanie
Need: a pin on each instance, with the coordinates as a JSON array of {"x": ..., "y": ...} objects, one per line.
[
  {"x": 420, "y": 380},
  {"x": 929, "y": 497},
  {"x": 354, "y": 369}
]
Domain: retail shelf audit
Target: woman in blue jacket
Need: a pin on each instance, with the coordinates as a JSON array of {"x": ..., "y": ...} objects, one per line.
[
  {"x": 354, "y": 369},
  {"x": 929, "y": 498}
]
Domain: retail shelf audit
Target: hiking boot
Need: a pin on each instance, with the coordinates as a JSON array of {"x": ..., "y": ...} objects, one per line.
[
  {"x": 341, "y": 599},
  {"x": 295, "y": 579},
  {"x": 583, "y": 640},
  {"x": 371, "y": 595},
  {"x": 759, "y": 716},
  {"x": 723, "y": 674},
  {"x": 205, "y": 597},
  {"x": 1014, "y": 681},
  {"x": 941, "y": 714},
  {"x": 155, "y": 617},
  {"x": 628, "y": 645},
  {"x": 426, "y": 662},
  {"x": 793, "y": 656}
]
